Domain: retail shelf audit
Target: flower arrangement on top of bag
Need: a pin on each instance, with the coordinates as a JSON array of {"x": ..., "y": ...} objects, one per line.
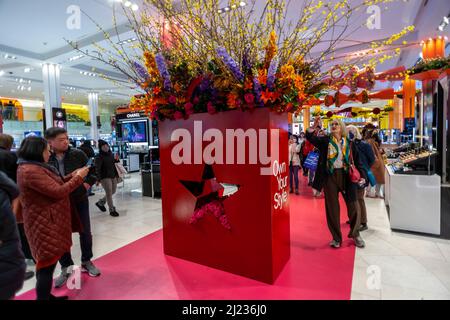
[{"x": 197, "y": 56}]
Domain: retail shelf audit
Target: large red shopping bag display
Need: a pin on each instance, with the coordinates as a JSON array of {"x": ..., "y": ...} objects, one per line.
[{"x": 225, "y": 191}]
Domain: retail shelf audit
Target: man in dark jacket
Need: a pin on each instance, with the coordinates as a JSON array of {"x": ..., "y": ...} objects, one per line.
[
  {"x": 12, "y": 260},
  {"x": 66, "y": 160}
]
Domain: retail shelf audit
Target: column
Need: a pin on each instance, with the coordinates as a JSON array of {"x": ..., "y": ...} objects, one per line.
[
  {"x": 93, "y": 113},
  {"x": 52, "y": 90}
]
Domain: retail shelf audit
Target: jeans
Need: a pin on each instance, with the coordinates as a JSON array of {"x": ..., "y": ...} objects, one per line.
[
  {"x": 44, "y": 282},
  {"x": 110, "y": 186},
  {"x": 85, "y": 236},
  {"x": 293, "y": 176}
]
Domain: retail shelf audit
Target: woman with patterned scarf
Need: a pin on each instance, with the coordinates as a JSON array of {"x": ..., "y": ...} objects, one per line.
[{"x": 336, "y": 154}]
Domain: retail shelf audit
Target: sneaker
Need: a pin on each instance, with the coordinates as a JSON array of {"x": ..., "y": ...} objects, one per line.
[
  {"x": 89, "y": 267},
  {"x": 363, "y": 227},
  {"x": 291, "y": 191},
  {"x": 296, "y": 192},
  {"x": 359, "y": 242},
  {"x": 62, "y": 278},
  {"x": 335, "y": 244},
  {"x": 114, "y": 213},
  {"x": 101, "y": 206},
  {"x": 29, "y": 275}
]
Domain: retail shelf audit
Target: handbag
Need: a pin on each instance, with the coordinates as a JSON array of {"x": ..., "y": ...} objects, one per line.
[
  {"x": 311, "y": 161},
  {"x": 121, "y": 170},
  {"x": 355, "y": 175}
]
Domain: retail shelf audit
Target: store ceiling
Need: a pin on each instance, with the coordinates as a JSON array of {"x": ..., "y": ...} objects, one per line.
[{"x": 35, "y": 32}]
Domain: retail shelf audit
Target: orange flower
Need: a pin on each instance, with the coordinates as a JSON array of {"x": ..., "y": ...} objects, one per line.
[
  {"x": 177, "y": 87},
  {"x": 266, "y": 96},
  {"x": 231, "y": 100},
  {"x": 248, "y": 84},
  {"x": 262, "y": 77},
  {"x": 156, "y": 90}
]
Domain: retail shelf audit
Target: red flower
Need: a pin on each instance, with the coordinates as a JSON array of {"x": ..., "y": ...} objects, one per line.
[
  {"x": 178, "y": 115},
  {"x": 189, "y": 108},
  {"x": 289, "y": 107},
  {"x": 172, "y": 99},
  {"x": 211, "y": 108},
  {"x": 249, "y": 98}
]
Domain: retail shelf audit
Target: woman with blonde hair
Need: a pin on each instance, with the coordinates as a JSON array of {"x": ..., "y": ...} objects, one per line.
[{"x": 337, "y": 154}]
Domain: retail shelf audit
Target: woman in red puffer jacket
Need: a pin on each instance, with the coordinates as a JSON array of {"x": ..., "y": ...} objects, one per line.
[{"x": 46, "y": 209}]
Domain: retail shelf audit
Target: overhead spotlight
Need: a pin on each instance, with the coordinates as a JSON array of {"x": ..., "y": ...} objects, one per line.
[
  {"x": 2, "y": 73},
  {"x": 226, "y": 9},
  {"x": 135, "y": 7},
  {"x": 127, "y": 4},
  {"x": 242, "y": 3},
  {"x": 445, "y": 38}
]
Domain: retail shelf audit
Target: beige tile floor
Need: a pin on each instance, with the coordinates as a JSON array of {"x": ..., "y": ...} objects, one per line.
[
  {"x": 406, "y": 266},
  {"x": 409, "y": 267}
]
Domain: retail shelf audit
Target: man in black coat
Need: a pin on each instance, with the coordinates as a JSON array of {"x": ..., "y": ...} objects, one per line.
[
  {"x": 66, "y": 160},
  {"x": 12, "y": 260}
]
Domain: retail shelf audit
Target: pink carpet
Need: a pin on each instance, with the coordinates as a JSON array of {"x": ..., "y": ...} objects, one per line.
[{"x": 140, "y": 270}]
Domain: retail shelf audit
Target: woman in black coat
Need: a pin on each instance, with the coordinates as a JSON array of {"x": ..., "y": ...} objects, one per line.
[
  {"x": 107, "y": 175},
  {"x": 12, "y": 260},
  {"x": 333, "y": 177}
]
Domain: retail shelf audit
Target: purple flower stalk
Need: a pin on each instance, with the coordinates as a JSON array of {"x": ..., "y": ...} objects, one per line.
[
  {"x": 162, "y": 67},
  {"x": 246, "y": 63},
  {"x": 271, "y": 73},
  {"x": 140, "y": 70},
  {"x": 257, "y": 88},
  {"x": 230, "y": 63}
]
